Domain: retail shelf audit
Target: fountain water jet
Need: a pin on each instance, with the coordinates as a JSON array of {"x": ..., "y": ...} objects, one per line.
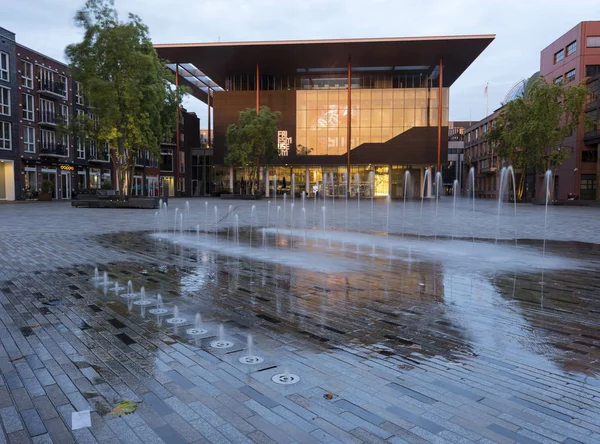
[
  {"x": 176, "y": 319},
  {"x": 250, "y": 358},
  {"x": 142, "y": 300},
  {"x": 425, "y": 177},
  {"x": 159, "y": 310},
  {"x": 197, "y": 329},
  {"x": 221, "y": 342}
]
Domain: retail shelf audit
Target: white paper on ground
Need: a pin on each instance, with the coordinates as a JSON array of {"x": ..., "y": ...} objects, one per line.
[{"x": 80, "y": 420}]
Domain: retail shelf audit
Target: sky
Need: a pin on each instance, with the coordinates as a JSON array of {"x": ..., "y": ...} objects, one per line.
[{"x": 522, "y": 28}]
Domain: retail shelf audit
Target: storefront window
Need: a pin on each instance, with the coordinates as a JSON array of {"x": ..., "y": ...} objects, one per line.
[
  {"x": 377, "y": 116},
  {"x": 81, "y": 180},
  {"x": 94, "y": 178},
  {"x": 152, "y": 186},
  {"x": 31, "y": 179}
]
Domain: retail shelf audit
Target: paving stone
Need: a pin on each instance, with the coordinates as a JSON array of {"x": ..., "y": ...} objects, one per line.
[
  {"x": 208, "y": 431},
  {"x": 360, "y": 412},
  {"x": 58, "y": 431},
  {"x": 157, "y": 404},
  {"x": 33, "y": 422},
  {"x": 42, "y": 439},
  {"x": 10, "y": 419},
  {"x": 259, "y": 397},
  {"x": 19, "y": 437},
  {"x": 22, "y": 399}
]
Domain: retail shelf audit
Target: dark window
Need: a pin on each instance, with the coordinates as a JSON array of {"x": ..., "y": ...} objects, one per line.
[
  {"x": 587, "y": 186},
  {"x": 166, "y": 160},
  {"x": 571, "y": 48},
  {"x": 570, "y": 76},
  {"x": 559, "y": 56},
  {"x": 592, "y": 70},
  {"x": 589, "y": 156}
]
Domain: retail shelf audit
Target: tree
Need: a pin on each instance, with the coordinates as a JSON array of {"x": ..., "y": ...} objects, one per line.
[
  {"x": 252, "y": 140},
  {"x": 127, "y": 87},
  {"x": 530, "y": 131}
]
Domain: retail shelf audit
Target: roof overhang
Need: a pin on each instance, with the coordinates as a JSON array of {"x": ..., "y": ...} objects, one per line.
[{"x": 214, "y": 61}]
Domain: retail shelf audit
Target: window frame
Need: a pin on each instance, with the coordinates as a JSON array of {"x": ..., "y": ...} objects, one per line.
[
  {"x": 569, "y": 80},
  {"x": 28, "y": 114},
  {"x": 80, "y": 148},
  {"x": 64, "y": 113},
  {"x": 571, "y": 48},
  {"x": 5, "y": 135},
  {"x": 27, "y": 82},
  {"x": 593, "y": 41},
  {"x": 559, "y": 80},
  {"x": 78, "y": 94},
  {"x": 2, "y": 104},
  {"x": 559, "y": 55},
  {"x": 4, "y": 70},
  {"x": 27, "y": 143}
]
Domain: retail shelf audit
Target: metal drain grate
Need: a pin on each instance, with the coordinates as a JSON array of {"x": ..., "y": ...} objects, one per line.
[
  {"x": 196, "y": 331},
  {"x": 285, "y": 378},
  {"x": 221, "y": 344},
  {"x": 252, "y": 360}
]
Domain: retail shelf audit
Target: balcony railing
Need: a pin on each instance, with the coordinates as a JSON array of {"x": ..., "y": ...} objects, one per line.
[
  {"x": 55, "y": 88},
  {"x": 53, "y": 149},
  {"x": 95, "y": 156},
  {"x": 50, "y": 118},
  {"x": 591, "y": 136}
]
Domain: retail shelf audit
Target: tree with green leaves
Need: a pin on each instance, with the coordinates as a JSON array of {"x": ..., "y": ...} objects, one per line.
[
  {"x": 531, "y": 130},
  {"x": 252, "y": 140},
  {"x": 127, "y": 87}
]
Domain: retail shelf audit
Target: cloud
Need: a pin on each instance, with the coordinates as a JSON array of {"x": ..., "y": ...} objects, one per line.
[{"x": 523, "y": 29}]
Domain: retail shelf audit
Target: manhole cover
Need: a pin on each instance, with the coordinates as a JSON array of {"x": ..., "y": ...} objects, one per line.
[
  {"x": 143, "y": 302},
  {"x": 285, "y": 378},
  {"x": 176, "y": 320},
  {"x": 128, "y": 295},
  {"x": 196, "y": 331},
  {"x": 158, "y": 311},
  {"x": 221, "y": 344},
  {"x": 251, "y": 360}
]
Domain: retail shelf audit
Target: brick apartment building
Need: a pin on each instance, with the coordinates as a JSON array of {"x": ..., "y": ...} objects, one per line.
[
  {"x": 37, "y": 93},
  {"x": 571, "y": 59}
]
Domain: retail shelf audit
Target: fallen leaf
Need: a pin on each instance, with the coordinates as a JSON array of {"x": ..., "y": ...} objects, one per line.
[
  {"x": 328, "y": 395},
  {"x": 33, "y": 325},
  {"x": 124, "y": 408}
]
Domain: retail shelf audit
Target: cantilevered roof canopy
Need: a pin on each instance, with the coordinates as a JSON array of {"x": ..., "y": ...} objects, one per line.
[{"x": 207, "y": 64}]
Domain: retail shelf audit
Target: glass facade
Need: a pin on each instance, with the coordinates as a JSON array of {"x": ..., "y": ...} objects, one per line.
[
  {"x": 377, "y": 115},
  {"x": 387, "y": 180}
]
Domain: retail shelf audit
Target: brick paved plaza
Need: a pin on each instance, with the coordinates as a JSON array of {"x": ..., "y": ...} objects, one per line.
[{"x": 445, "y": 341}]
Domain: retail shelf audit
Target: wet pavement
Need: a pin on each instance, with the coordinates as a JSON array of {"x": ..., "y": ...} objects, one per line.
[{"x": 413, "y": 338}]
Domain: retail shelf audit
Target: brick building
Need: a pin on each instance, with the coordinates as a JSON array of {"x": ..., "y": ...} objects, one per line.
[
  {"x": 573, "y": 58},
  {"x": 38, "y": 95}
]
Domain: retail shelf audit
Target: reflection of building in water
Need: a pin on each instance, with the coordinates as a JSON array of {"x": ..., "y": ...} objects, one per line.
[
  {"x": 349, "y": 107},
  {"x": 559, "y": 327}
]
